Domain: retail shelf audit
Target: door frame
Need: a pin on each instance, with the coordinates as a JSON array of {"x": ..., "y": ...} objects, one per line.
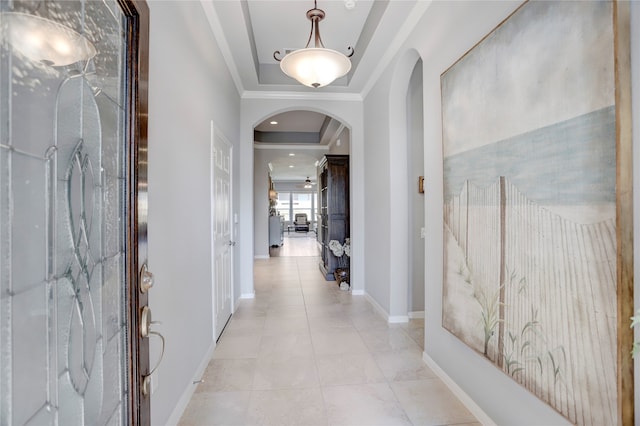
[
  {"x": 212, "y": 132},
  {"x": 137, "y": 69}
]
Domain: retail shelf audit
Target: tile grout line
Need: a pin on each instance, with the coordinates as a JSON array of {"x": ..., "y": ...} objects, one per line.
[{"x": 313, "y": 349}]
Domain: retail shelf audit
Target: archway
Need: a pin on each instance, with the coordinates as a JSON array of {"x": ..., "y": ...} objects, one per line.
[
  {"x": 345, "y": 108},
  {"x": 407, "y": 212}
]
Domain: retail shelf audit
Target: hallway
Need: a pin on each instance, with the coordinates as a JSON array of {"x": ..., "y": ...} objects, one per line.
[{"x": 304, "y": 352}]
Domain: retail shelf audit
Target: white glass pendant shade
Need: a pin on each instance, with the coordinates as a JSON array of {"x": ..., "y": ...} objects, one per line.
[
  {"x": 315, "y": 67},
  {"x": 45, "y": 41}
]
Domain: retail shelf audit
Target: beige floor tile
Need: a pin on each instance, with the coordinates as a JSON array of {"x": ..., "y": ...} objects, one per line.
[
  {"x": 403, "y": 365},
  {"x": 385, "y": 340},
  {"x": 349, "y": 369},
  {"x": 305, "y": 353},
  {"x": 337, "y": 341},
  {"x": 237, "y": 347},
  {"x": 245, "y": 326},
  {"x": 287, "y": 344},
  {"x": 294, "y": 324},
  {"x": 430, "y": 403},
  {"x": 228, "y": 375},
  {"x": 371, "y": 405},
  {"x": 285, "y": 372},
  {"x": 274, "y": 408},
  {"x": 220, "y": 408}
]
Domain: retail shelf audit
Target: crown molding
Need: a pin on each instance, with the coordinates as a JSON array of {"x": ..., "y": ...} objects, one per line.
[
  {"x": 405, "y": 30},
  {"x": 223, "y": 44},
  {"x": 288, "y": 146},
  {"x": 301, "y": 96}
]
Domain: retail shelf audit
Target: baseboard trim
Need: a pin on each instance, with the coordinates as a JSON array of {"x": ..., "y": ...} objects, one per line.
[
  {"x": 248, "y": 296},
  {"x": 396, "y": 319},
  {"x": 466, "y": 400},
  {"x": 379, "y": 309},
  {"x": 416, "y": 314},
  {"x": 357, "y": 292},
  {"x": 262, "y": 256},
  {"x": 183, "y": 402}
]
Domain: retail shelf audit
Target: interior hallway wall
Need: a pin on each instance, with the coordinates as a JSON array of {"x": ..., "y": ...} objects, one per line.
[
  {"x": 189, "y": 86},
  {"x": 261, "y": 203},
  {"x": 439, "y": 45},
  {"x": 415, "y": 161}
]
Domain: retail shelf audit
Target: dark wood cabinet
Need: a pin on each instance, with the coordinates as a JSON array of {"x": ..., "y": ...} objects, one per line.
[{"x": 333, "y": 208}]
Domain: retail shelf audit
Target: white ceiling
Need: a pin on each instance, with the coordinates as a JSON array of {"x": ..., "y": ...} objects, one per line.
[{"x": 250, "y": 31}]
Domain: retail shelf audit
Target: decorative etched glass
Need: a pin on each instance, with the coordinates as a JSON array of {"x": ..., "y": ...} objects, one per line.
[{"x": 62, "y": 262}]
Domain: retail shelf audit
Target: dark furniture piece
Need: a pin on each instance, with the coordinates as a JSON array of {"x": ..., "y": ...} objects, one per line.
[
  {"x": 301, "y": 223},
  {"x": 333, "y": 208}
]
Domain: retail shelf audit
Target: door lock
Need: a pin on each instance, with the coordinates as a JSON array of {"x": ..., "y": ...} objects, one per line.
[{"x": 146, "y": 278}]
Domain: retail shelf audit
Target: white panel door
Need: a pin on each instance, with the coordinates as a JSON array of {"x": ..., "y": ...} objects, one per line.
[{"x": 222, "y": 230}]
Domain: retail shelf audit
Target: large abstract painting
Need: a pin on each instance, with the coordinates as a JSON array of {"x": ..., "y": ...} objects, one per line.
[{"x": 531, "y": 150}]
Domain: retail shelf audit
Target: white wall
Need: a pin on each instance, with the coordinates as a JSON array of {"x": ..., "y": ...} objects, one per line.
[
  {"x": 189, "y": 85},
  {"x": 377, "y": 220},
  {"x": 345, "y": 143}
]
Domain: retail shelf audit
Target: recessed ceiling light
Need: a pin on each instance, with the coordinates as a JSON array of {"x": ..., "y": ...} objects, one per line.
[
  {"x": 291, "y": 166},
  {"x": 291, "y": 154},
  {"x": 273, "y": 122}
]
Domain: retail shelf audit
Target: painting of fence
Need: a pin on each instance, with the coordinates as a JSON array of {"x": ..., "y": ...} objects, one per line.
[{"x": 531, "y": 205}]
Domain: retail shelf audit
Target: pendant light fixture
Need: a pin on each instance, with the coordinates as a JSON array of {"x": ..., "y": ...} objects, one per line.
[
  {"x": 307, "y": 183},
  {"x": 45, "y": 41},
  {"x": 315, "y": 66}
]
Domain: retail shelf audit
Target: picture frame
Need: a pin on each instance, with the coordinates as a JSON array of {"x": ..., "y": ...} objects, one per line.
[{"x": 534, "y": 242}]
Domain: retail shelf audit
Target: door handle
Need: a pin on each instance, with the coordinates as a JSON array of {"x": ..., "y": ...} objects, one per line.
[
  {"x": 146, "y": 332},
  {"x": 146, "y": 278}
]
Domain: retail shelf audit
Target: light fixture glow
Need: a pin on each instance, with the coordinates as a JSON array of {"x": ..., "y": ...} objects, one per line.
[
  {"x": 315, "y": 66},
  {"x": 307, "y": 183},
  {"x": 291, "y": 154},
  {"x": 273, "y": 122},
  {"x": 46, "y": 41}
]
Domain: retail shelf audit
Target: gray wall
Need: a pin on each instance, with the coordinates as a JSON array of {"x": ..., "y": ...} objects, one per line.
[
  {"x": 415, "y": 161},
  {"x": 261, "y": 203},
  {"x": 189, "y": 86}
]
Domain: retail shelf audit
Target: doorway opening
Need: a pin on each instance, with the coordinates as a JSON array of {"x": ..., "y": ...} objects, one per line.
[{"x": 289, "y": 147}]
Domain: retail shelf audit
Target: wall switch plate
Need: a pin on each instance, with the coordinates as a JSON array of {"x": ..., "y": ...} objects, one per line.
[{"x": 422, "y": 232}]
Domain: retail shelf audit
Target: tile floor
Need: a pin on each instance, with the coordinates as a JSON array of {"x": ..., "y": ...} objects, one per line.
[{"x": 305, "y": 353}]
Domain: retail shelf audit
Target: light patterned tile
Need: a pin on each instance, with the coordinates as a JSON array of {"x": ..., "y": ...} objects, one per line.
[
  {"x": 349, "y": 369},
  {"x": 237, "y": 347},
  {"x": 287, "y": 408},
  {"x": 337, "y": 341},
  {"x": 385, "y": 340},
  {"x": 403, "y": 365},
  {"x": 228, "y": 375},
  {"x": 220, "y": 408},
  {"x": 285, "y": 372},
  {"x": 287, "y": 344},
  {"x": 371, "y": 405},
  {"x": 431, "y": 403}
]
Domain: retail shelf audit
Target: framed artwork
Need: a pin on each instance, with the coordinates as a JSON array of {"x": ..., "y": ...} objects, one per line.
[
  {"x": 421, "y": 184},
  {"x": 537, "y": 205}
]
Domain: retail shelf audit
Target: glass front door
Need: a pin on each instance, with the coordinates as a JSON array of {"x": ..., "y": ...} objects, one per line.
[{"x": 67, "y": 247}]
